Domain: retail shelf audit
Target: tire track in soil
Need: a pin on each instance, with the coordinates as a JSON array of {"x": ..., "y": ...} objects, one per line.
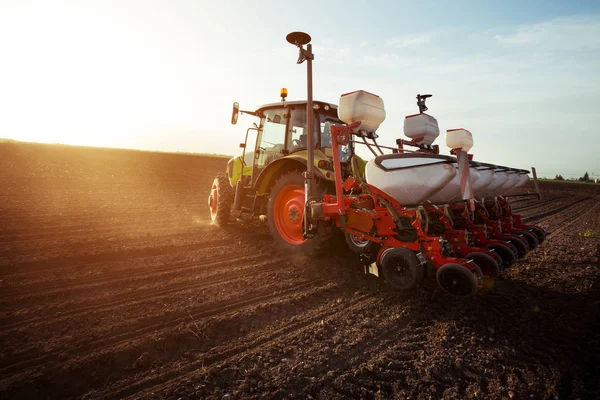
[
  {"x": 151, "y": 325},
  {"x": 33, "y": 223},
  {"x": 60, "y": 262},
  {"x": 125, "y": 298},
  {"x": 93, "y": 233},
  {"x": 44, "y": 289},
  {"x": 392, "y": 364},
  {"x": 232, "y": 354},
  {"x": 334, "y": 356},
  {"x": 23, "y": 249},
  {"x": 309, "y": 296},
  {"x": 29, "y": 353}
]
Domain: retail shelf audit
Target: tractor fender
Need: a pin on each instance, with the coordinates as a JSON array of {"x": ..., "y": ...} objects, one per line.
[
  {"x": 234, "y": 169},
  {"x": 275, "y": 169}
]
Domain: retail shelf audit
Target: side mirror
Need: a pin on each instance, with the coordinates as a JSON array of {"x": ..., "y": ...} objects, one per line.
[
  {"x": 235, "y": 113},
  {"x": 242, "y": 145}
]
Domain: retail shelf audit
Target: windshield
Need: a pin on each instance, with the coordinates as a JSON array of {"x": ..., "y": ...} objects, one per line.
[
  {"x": 291, "y": 124},
  {"x": 325, "y": 124},
  {"x": 322, "y": 131}
]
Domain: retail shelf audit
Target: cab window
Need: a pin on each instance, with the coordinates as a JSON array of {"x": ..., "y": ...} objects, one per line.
[
  {"x": 272, "y": 138},
  {"x": 298, "y": 131}
]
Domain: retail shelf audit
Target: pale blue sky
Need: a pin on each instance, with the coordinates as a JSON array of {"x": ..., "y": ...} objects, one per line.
[{"x": 523, "y": 76}]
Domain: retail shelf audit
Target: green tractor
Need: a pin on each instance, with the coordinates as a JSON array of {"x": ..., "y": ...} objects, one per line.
[{"x": 268, "y": 181}]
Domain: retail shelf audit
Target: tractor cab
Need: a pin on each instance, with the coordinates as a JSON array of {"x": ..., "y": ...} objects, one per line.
[
  {"x": 281, "y": 146},
  {"x": 282, "y": 131}
]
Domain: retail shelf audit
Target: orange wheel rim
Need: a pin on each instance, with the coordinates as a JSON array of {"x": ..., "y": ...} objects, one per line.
[
  {"x": 288, "y": 212},
  {"x": 214, "y": 201}
]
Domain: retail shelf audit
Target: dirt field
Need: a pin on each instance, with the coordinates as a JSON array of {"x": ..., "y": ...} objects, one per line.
[{"x": 113, "y": 284}]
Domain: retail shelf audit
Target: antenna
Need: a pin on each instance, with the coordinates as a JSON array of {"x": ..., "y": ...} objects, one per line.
[{"x": 421, "y": 102}]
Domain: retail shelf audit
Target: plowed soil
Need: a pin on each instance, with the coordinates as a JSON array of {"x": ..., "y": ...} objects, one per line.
[{"x": 113, "y": 284}]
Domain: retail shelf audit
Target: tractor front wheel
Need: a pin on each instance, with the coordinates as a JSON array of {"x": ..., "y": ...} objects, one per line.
[
  {"x": 220, "y": 200},
  {"x": 285, "y": 214}
]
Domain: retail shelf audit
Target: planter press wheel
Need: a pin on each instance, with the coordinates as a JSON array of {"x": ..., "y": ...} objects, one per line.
[
  {"x": 506, "y": 255},
  {"x": 488, "y": 265},
  {"x": 360, "y": 246},
  {"x": 456, "y": 280},
  {"x": 520, "y": 244},
  {"x": 499, "y": 261},
  {"x": 530, "y": 238},
  {"x": 401, "y": 268},
  {"x": 538, "y": 232}
]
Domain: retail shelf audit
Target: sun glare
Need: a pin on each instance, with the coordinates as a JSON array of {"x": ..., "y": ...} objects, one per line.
[{"x": 90, "y": 79}]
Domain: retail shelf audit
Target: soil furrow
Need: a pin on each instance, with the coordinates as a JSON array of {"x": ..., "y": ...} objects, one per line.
[
  {"x": 149, "y": 326},
  {"x": 25, "y": 292},
  {"x": 148, "y": 294}
]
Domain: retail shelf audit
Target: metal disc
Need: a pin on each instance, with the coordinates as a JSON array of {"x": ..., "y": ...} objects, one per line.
[{"x": 298, "y": 38}]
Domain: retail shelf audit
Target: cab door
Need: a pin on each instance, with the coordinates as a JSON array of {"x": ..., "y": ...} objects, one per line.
[{"x": 271, "y": 139}]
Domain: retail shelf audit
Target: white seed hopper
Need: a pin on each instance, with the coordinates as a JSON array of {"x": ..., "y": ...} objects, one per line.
[
  {"x": 411, "y": 178},
  {"x": 506, "y": 181}
]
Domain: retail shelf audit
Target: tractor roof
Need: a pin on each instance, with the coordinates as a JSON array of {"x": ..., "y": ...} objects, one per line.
[{"x": 293, "y": 104}]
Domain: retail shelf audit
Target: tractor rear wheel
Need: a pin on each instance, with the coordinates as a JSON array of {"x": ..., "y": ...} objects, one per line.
[
  {"x": 456, "y": 280},
  {"x": 401, "y": 268},
  {"x": 285, "y": 214},
  {"x": 220, "y": 200}
]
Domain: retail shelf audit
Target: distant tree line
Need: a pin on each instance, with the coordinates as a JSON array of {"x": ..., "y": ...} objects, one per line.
[{"x": 584, "y": 178}]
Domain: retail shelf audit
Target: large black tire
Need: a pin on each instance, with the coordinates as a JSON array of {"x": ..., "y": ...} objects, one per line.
[
  {"x": 456, "y": 280},
  {"x": 538, "y": 232},
  {"x": 285, "y": 212},
  {"x": 489, "y": 266},
  {"x": 530, "y": 238},
  {"x": 401, "y": 268},
  {"x": 220, "y": 200},
  {"x": 505, "y": 253}
]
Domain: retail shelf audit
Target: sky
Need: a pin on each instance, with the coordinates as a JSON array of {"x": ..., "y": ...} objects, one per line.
[{"x": 522, "y": 76}]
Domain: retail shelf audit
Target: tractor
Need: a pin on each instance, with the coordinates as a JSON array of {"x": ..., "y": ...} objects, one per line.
[{"x": 268, "y": 180}]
